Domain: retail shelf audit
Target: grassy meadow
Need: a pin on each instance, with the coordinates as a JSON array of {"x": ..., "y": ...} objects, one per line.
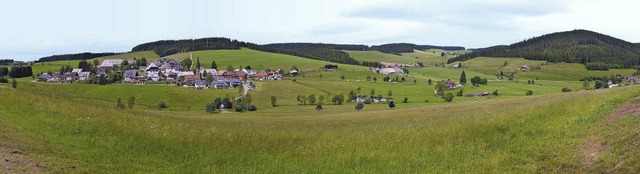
[{"x": 523, "y": 134}]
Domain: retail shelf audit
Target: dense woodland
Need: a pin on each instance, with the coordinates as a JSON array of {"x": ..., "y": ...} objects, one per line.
[
  {"x": 16, "y": 71},
  {"x": 79, "y": 56},
  {"x": 6, "y": 61},
  {"x": 326, "y": 52},
  {"x": 407, "y": 48},
  {"x": 598, "y": 51},
  {"x": 169, "y": 47}
]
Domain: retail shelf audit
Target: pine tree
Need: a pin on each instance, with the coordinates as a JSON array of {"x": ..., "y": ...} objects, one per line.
[{"x": 463, "y": 78}]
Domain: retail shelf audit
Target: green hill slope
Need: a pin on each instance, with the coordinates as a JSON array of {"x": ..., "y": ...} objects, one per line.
[
  {"x": 578, "y": 46},
  {"x": 377, "y": 56}
]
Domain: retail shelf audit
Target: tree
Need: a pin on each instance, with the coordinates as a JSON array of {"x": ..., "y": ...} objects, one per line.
[
  {"x": 440, "y": 88},
  {"x": 96, "y": 62},
  {"x": 338, "y": 99},
  {"x": 359, "y": 106},
  {"x": 319, "y": 107},
  {"x": 460, "y": 93},
  {"x": 529, "y": 92},
  {"x": 187, "y": 63},
  {"x": 463, "y": 78},
  {"x": 389, "y": 93},
  {"x": 303, "y": 99},
  {"x": 495, "y": 93},
  {"x": 429, "y": 81},
  {"x": 321, "y": 99},
  {"x": 392, "y": 105},
  {"x": 226, "y": 103},
  {"x": 103, "y": 80},
  {"x": 211, "y": 107},
  {"x": 442, "y": 54},
  {"x": 375, "y": 79},
  {"x": 214, "y": 65},
  {"x": 248, "y": 99},
  {"x": 476, "y": 81},
  {"x": 405, "y": 100},
  {"x": 131, "y": 102},
  {"x": 84, "y": 65},
  {"x": 119, "y": 104},
  {"x": 448, "y": 97},
  {"x": 368, "y": 78},
  {"x": 209, "y": 78},
  {"x": 240, "y": 106},
  {"x": 162, "y": 105},
  {"x": 352, "y": 95},
  {"x": 312, "y": 99},
  {"x": 14, "y": 83},
  {"x": 373, "y": 92},
  {"x": 585, "y": 85},
  {"x": 230, "y": 68},
  {"x": 505, "y": 63},
  {"x": 342, "y": 77}
]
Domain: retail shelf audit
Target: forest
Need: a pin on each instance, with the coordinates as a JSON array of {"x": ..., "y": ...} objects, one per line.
[
  {"x": 169, "y": 47},
  {"x": 326, "y": 52},
  {"x": 395, "y": 48},
  {"x": 598, "y": 51},
  {"x": 79, "y": 56},
  {"x": 6, "y": 61}
]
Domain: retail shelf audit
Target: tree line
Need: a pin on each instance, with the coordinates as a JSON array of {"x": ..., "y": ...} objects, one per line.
[
  {"x": 16, "y": 71},
  {"x": 6, "y": 61},
  {"x": 598, "y": 51},
  {"x": 169, "y": 47},
  {"x": 408, "y": 47},
  {"x": 79, "y": 56}
]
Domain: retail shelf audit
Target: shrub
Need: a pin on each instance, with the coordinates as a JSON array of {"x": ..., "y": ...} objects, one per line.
[
  {"x": 14, "y": 83},
  {"x": 495, "y": 92},
  {"x": 119, "y": 104},
  {"x": 252, "y": 108},
  {"x": 240, "y": 107},
  {"x": 162, "y": 104},
  {"x": 529, "y": 92},
  {"x": 406, "y": 100},
  {"x": 319, "y": 107},
  {"x": 367, "y": 101},
  {"x": 460, "y": 93},
  {"x": 448, "y": 97},
  {"x": 359, "y": 106},
  {"x": 211, "y": 107},
  {"x": 3, "y": 80},
  {"x": 273, "y": 101},
  {"x": 565, "y": 89},
  {"x": 392, "y": 105}
]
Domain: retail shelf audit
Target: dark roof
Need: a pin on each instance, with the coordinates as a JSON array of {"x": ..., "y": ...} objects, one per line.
[
  {"x": 235, "y": 81},
  {"x": 219, "y": 83},
  {"x": 201, "y": 82},
  {"x": 130, "y": 73}
]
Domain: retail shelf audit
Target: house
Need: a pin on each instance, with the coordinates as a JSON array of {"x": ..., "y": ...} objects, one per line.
[
  {"x": 154, "y": 76},
  {"x": 524, "y": 68},
  {"x": 186, "y": 76},
  {"x": 76, "y": 70},
  {"x": 450, "y": 84},
  {"x": 633, "y": 79},
  {"x": 218, "y": 78},
  {"x": 111, "y": 63},
  {"x": 262, "y": 74},
  {"x": 152, "y": 68},
  {"x": 201, "y": 84},
  {"x": 131, "y": 62},
  {"x": 84, "y": 75},
  {"x": 220, "y": 84},
  {"x": 387, "y": 71},
  {"x": 44, "y": 77},
  {"x": 249, "y": 72},
  {"x": 70, "y": 76},
  {"x": 293, "y": 72},
  {"x": 393, "y": 64},
  {"x": 457, "y": 65},
  {"x": 130, "y": 75},
  {"x": 142, "y": 68},
  {"x": 229, "y": 74},
  {"x": 235, "y": 82}
]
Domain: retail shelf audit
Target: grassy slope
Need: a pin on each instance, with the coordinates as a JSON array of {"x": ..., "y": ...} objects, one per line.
[
  {"x": 377, "y": 56},
  {"x": 433, "y": 56},
  {"x": 260, "y": 60},
  {"x": 529, "y": 134}
]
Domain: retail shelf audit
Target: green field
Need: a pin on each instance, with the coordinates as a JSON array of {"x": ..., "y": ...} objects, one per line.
[
  {"x": 523, "y": 134},
  {"x": 75, "y": 128},
  {"x": 56, "y": 65},
  {"x": 433, "y": 56},
  {"x": 377, "y": 56}
]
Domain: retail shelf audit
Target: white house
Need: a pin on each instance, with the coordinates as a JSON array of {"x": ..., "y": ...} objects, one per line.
[
  {"x": 110, "y": 63},
  {"x": 387, "y": 71}
]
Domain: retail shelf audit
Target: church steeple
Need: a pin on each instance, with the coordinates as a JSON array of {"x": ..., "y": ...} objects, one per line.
[{"x": 198, "y": 63}]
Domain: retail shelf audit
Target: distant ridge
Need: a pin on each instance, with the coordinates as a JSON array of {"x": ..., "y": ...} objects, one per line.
[
  {"x": 395, "y": 48},
  {"x": 597, "y": 51}
]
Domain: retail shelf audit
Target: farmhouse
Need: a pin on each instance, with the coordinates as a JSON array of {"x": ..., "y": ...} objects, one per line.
[
  {"x": 450, "y": 84},
  {"x": 111, "y": 63},
  {"x": 84, "y": 75},
  {"x": 633, "y": 79},
  {"x": 130, "y": 75},
  {"x": 220, "y": 84},
  {"x": 524, "y": 68},
  {"x": 201, "y": 84},
  {"x": 186, "y": 76}
]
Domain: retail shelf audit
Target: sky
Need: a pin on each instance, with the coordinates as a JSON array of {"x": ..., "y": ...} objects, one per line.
[{"x": 31, "y": 29}]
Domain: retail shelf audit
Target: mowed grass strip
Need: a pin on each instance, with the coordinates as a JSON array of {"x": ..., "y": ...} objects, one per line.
[{"x": 526, "y": 134}]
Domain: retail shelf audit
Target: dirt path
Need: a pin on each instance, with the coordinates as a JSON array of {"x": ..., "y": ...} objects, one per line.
[
  {"x": 596, "y": 145},
  {"x": 15, "y": 160}
]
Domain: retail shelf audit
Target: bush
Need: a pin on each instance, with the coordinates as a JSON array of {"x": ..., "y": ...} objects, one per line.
[
  {"x": 529, "y": 92},
  {"x": 367, "y": 101},
  {"x": 565, "y": 89},
  {"x": 3, "y": 80},
  {"x": 460, "y": 93},
  {"x": 359, "y": 106},
  {"x": 392, "y": 104},
  {"x": 252, "y": 108},
  {"x": 406, "y": 100},
  {"x": 162, "y": 105},
  {"x": 495, "y": 92},
  {"x": 211, "y": 107},
  {"x": 240, "y": 107},
  {"x": 448, "y": 97}
]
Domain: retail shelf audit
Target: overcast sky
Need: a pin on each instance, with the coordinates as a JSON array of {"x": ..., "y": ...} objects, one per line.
[{"x": 31, "y": 29}]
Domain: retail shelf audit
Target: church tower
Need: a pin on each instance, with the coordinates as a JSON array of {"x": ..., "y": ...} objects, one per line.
[{"x": 198, "y": 69}]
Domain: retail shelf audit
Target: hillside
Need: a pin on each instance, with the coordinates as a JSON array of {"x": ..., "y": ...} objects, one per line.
[
  {"x": 377, "y": 56},
  {"x": 595, "y": 50},
  {"x": 326, "y": 52},
  {"x": 408, "y": 47},
  {"x": 79, "y": 56}
]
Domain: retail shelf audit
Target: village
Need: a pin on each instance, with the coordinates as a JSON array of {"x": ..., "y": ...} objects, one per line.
[{"x": 164, "y": 71}]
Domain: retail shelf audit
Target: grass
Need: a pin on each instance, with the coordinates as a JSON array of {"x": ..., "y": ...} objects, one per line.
[
  {"x": 377, "y": 56},
  {"x": 57, "y": 65},
  {"x": 523, "y": 134},
  {"x": 434, "y": 56}
]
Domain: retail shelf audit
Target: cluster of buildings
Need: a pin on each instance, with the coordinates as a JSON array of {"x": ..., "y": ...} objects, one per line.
[{"x": 167, "y": 71}]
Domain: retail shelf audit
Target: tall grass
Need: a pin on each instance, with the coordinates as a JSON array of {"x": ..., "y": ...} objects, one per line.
[{"x": 528, "y": 134}]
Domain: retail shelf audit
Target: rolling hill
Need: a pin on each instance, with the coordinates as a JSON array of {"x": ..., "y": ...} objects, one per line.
[
  {"x": 395, "y": 48},
  {"x": 377, "y": 56},
  {"x": 595, "y": 50}
]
